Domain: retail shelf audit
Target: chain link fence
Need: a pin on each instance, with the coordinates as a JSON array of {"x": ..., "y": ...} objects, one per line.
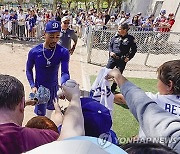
[{"x": 154, "y": 48}]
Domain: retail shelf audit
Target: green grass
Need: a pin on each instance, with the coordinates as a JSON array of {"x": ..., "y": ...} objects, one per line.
[
  {"x": 124, "y": 123},
  {"x": 145, "y": 84}
]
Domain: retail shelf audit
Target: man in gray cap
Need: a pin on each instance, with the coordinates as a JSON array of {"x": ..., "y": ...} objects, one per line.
[{"x": 66, "y": 35}]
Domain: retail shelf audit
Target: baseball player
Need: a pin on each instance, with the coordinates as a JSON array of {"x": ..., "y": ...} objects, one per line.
[{"x": 46, "y": 58}]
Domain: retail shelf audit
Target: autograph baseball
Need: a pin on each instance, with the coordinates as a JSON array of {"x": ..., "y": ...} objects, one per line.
[
  {"x": 70, "y": 83},
  {"x": 60, "y": 92}
]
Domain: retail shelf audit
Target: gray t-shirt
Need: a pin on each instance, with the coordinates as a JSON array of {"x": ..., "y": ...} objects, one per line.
[{"x": 66, "y": 36}]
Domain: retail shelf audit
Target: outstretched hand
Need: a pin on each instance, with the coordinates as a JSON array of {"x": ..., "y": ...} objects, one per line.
[
  {"x": 71, "y": 92},
  {"x": 116, "y": 75},
  {"x": 60, "y": 94},
  {"x": 113, "y": 74}
]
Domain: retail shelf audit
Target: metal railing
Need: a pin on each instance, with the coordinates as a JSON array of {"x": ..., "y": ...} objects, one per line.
[{"x": 22, "y": 32}]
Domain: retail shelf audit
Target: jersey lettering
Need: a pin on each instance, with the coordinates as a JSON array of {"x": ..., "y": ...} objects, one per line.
[
  {"x": 100, "y": 92},
  {"x": 173, "y": 109}
]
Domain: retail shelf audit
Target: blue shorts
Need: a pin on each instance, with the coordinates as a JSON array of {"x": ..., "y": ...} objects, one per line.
[
  {"x": 40, "y": 109},
  {"x": 59, "y": 128}
]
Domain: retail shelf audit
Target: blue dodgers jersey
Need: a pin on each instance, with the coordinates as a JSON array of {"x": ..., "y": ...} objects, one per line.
[{"x": 47, "y": 73}]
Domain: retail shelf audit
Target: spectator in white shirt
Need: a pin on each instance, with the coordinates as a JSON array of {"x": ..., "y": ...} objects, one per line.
[
  {"x": 21, "y": 24},
  {"x": 126, "y": 19},
  {"x": 40, "y": 25},
  {"x": 6, "y": 17}
]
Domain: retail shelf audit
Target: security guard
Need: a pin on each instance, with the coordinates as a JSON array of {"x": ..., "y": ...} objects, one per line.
[
  {"x": 122, "y": 49},
  {"x": 66, "y": 35}
]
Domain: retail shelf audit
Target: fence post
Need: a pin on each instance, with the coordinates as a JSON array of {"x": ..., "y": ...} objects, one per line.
[
  {"x": 149, "y": 47},
  {"x": 145, "y": 62},
  {"x": 89, "y": 44}
]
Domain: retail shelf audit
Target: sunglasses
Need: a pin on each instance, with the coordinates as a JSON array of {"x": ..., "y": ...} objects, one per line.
[{"x": 66, "y": 23}]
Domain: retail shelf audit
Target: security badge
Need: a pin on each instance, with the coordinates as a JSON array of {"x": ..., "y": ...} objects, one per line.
[
  {"x": 117, "y": 40},
  {"x": 123, "y": 41}
]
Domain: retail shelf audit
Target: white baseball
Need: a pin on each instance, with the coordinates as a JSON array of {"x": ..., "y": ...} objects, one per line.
[
  {"x": 59, "y": 92},
  {"x": 70, "y": 83}
]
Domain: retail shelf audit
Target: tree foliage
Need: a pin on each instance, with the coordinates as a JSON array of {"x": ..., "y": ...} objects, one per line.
[
  {"x": 20, "y": 2},
  {"x": 54, "y": 5},
  {"x": 98, "y": 4}
]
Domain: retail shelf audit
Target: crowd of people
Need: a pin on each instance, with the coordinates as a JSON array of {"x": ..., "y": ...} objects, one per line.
[{"x": 30, "y": 23}]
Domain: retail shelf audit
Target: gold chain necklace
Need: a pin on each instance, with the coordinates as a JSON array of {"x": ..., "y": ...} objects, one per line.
[{"x": 48, "y": 59}]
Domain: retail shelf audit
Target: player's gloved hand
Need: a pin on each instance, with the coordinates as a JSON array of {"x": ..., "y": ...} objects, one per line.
[{"x": 41, "y": 96}]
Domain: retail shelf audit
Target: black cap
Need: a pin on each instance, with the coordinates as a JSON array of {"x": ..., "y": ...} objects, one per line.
[{"x": 125, "y": 26}]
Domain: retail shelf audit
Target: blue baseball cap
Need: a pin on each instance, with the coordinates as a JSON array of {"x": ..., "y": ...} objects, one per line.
[
  {"x": 163, "y": 12},
  {"x": 97, "y": 118},
  {"x": 128, "y": 14},
  {"x": 53, "y": 26}
]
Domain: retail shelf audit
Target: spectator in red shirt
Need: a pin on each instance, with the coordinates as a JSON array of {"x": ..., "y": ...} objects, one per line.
[
  {"x": 166, "y": 26},
  {"x": 159, "y": 20}
]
